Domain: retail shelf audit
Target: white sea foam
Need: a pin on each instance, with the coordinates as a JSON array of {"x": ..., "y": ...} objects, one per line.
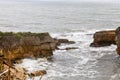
[{"x": 80, "y": 62}]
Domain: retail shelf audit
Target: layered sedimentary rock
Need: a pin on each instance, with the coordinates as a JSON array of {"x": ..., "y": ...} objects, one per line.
[
  {"x": 118, "y": 40},
  {"x": 22, "y": 45},
  {"x": 103, "y": 38},
  {"x": 16, "y": 73}
]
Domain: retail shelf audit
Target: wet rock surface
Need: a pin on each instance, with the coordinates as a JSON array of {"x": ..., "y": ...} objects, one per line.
[
  {"x": 65, "y": 41},
  {"x": 38, "y": 73}
]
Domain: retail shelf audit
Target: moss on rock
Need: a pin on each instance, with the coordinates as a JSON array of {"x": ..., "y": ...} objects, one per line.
[{"x": 26, "y": 44}]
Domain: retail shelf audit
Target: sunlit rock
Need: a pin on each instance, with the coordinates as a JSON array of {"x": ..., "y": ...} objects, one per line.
[{"x": 16, "y": 73}]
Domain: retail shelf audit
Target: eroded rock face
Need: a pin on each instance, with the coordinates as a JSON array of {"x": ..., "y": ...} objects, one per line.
[
  {"x": 118, "y": 40},
  {"x": 17, "y": 73},
  {"x": 103, "y": 38},
  {"x": 22, "y": 45}
]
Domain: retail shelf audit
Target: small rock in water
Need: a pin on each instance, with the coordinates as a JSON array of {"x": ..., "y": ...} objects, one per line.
[
  {"x": 71, "y": 48},
  {"x": 38, "y": 73},
  {"x": 59, "y": 41}
]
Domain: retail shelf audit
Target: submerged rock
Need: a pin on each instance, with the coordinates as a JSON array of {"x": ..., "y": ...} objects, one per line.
[
  {"x": 69, "y": 48},
  {"x": 103, "y": 38},
  {"x": 23, "y": 45}
]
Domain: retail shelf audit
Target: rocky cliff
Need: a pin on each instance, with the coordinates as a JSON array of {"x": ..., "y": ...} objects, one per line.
[
  {"x": 22, "y": 45},
  {"x": 118, "y": 40},
  {"x": 103, "y": 38},
  {"x": 106, "y": 38}
]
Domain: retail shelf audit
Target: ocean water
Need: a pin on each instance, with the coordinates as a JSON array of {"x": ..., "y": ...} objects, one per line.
[{"x": 71, "y": 20}]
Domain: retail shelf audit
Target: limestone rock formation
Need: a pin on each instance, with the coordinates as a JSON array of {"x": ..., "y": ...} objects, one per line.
[
  {"x": 16, "y": 73},
  {"x": 22, "y": 45},
  {"x": 118, "y": 40},
  {"x": 103, "y": 38}
]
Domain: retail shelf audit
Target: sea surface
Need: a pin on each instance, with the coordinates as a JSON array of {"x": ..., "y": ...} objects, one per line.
[{"x": 76, "y": 21}]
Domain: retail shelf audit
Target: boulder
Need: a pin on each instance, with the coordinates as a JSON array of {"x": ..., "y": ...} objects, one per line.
[
  {"x": 103, "y": 38},
  {"x": 37, "y": 73},
  {"x": 27, "y": 44}
]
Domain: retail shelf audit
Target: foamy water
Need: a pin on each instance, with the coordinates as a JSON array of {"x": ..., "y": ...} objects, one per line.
[
  {"x": 74, "y": 21},
  {"x": 84, "y": 63}
]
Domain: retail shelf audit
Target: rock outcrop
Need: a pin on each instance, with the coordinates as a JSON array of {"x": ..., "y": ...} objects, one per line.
[
  {"x": 117, "y": 32},
  {"x": 38, "y": 73},
  {"x": 65, "y": 41},
  {"x": 103, "y": 38},
  {"x": 23, "y": 45},
  {"x": 16, "y": 73}
]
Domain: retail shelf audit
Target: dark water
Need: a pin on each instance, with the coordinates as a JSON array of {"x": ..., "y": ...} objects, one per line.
[{"x": 74, "y": 21}]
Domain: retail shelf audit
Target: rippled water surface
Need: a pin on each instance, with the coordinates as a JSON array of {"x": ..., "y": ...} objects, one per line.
[
  {"x": 73, "y": 21},
  {"x": 84, "y": 63},
  {"x": 45, "y": 16}
]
